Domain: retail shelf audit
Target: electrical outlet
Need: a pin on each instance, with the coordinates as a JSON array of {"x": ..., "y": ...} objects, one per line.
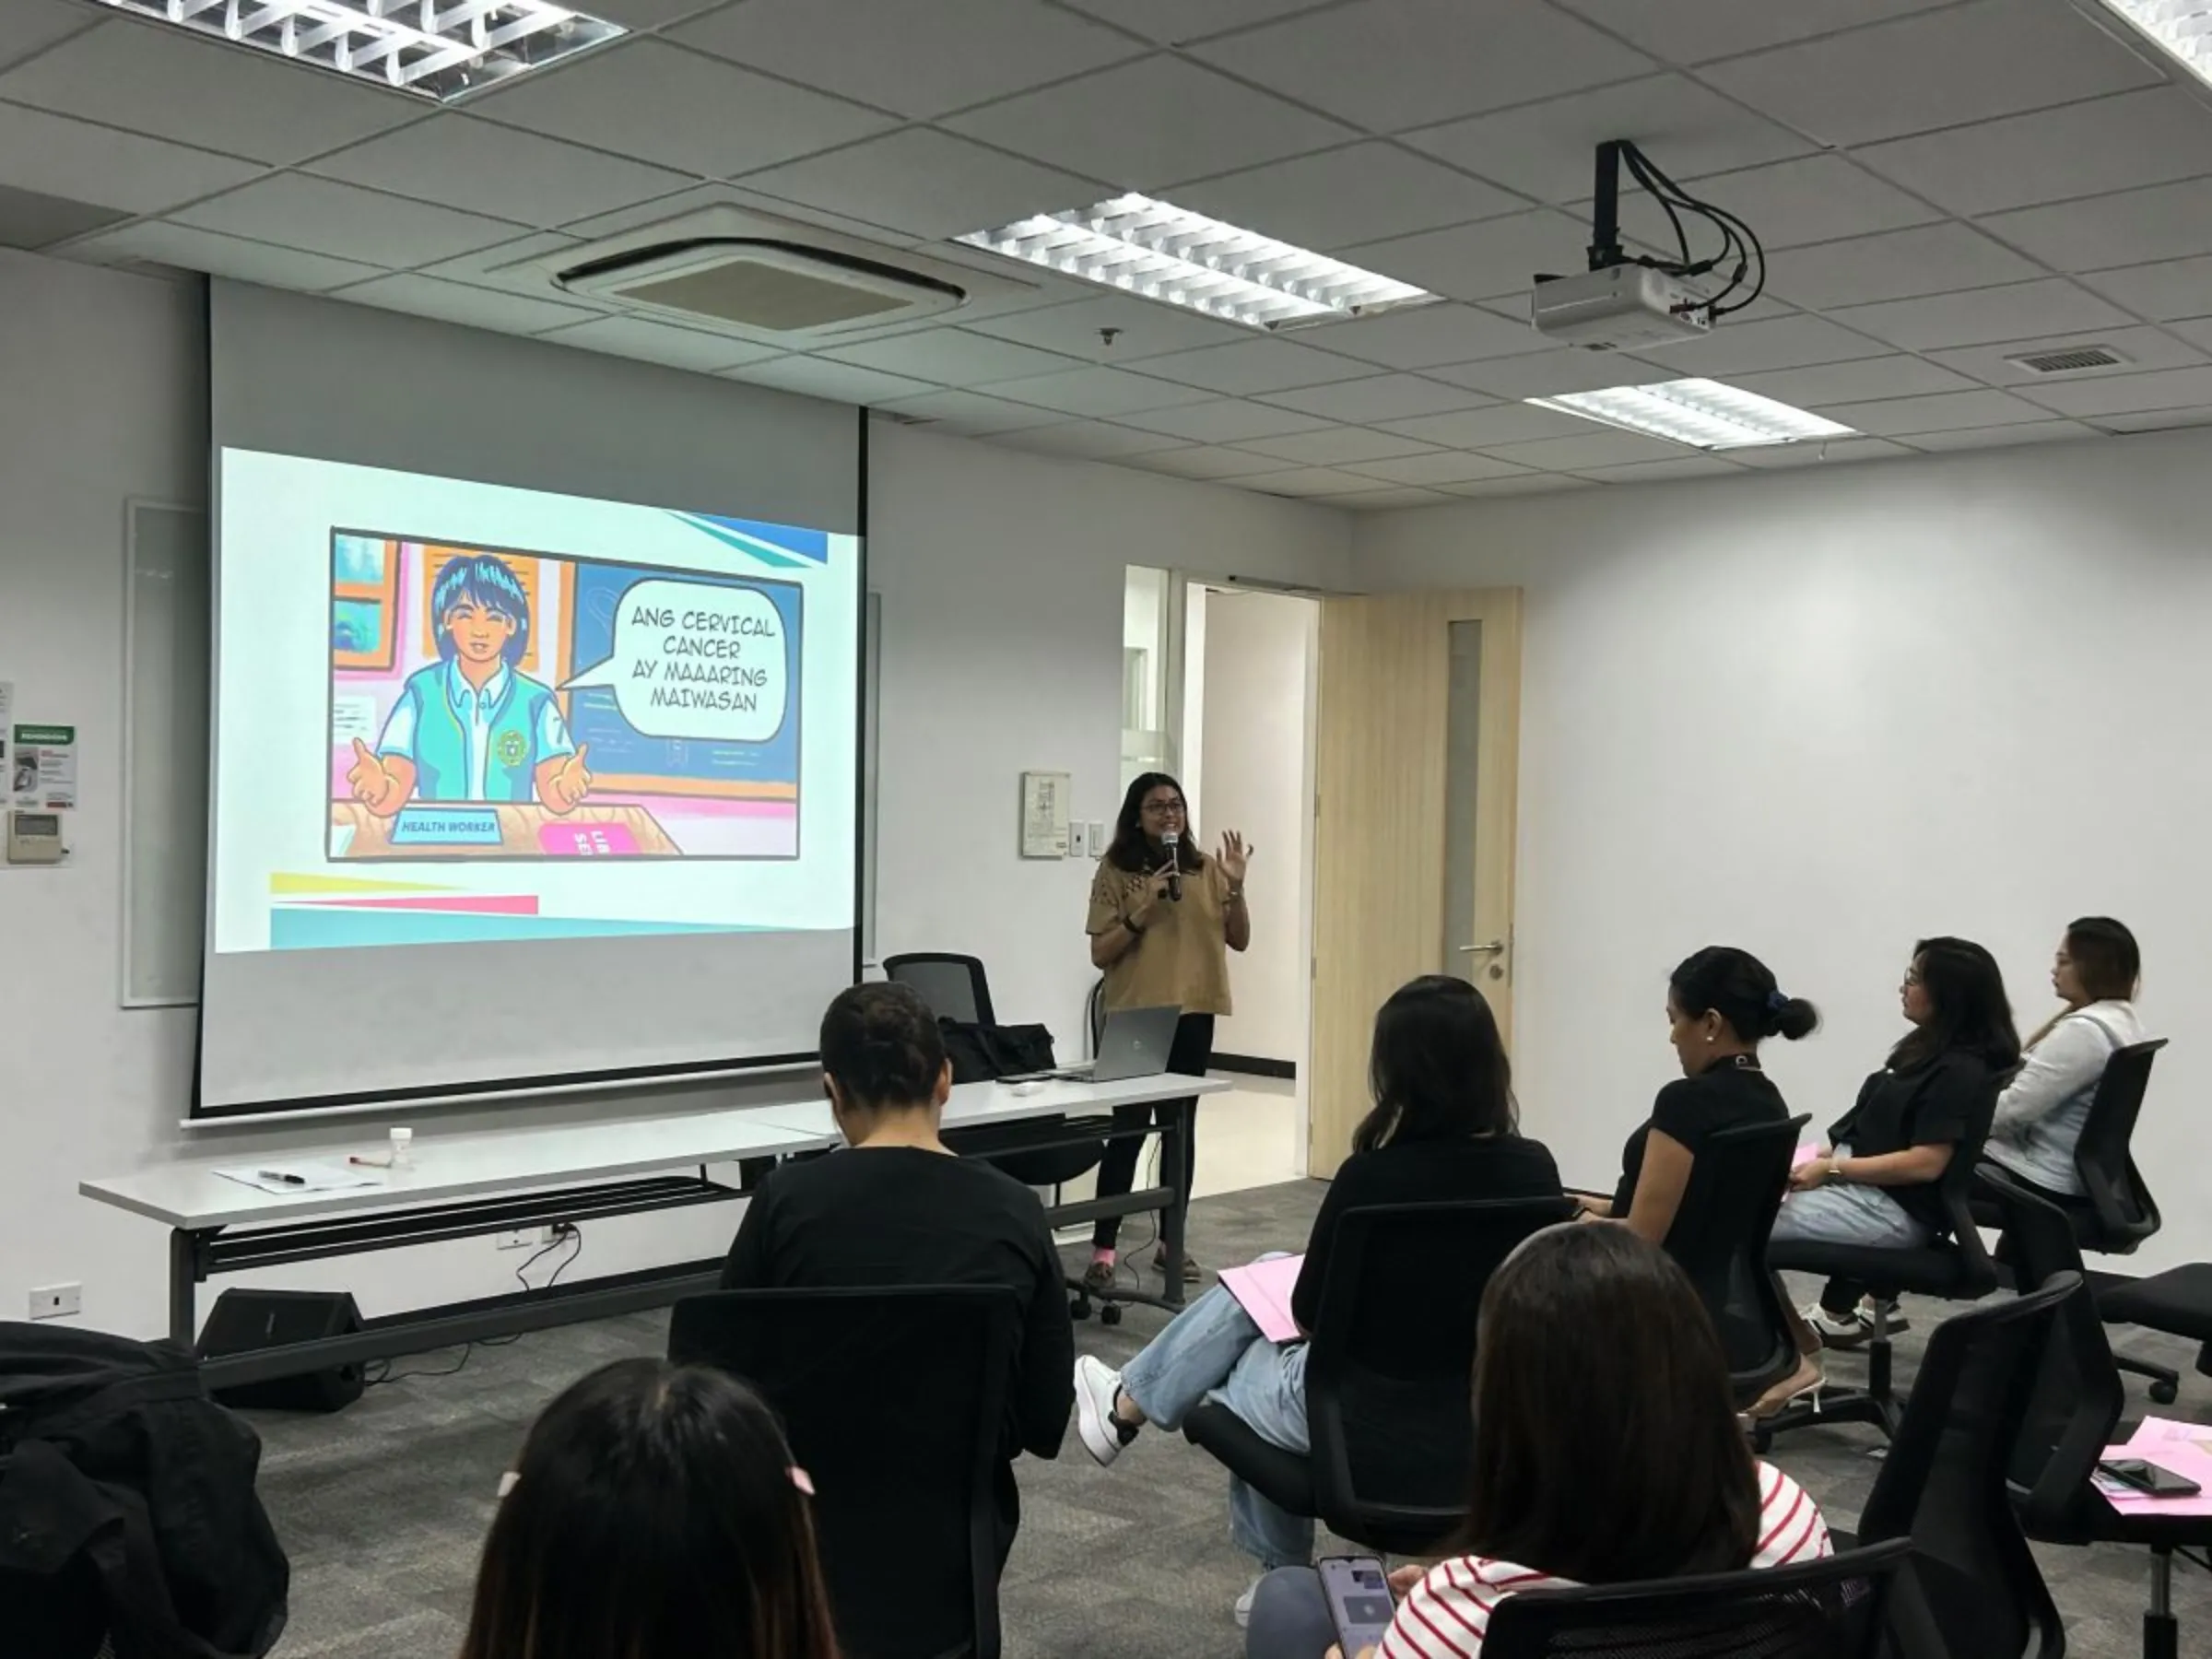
[
  {"x": 57, "y": 1301},
  {"x": 1078, "y": 839},
  {"x": 554, "y": 1234},
  {"x": 519, "y": 1238}
]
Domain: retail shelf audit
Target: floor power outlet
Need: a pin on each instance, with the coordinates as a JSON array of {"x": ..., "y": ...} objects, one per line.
[{"x": 57, "y": 1301}]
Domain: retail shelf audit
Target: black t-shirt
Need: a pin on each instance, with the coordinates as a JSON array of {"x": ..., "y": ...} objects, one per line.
[
  {"x": 1946, "y": 1102},
  {"x": 1692, "y": 1109},
  {"x": 1423, "y": 1171},
  {"x": 887, "y": 1216}
]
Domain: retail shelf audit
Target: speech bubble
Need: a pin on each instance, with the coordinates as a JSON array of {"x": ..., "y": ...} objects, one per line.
[{"x": 696, "y": 660}]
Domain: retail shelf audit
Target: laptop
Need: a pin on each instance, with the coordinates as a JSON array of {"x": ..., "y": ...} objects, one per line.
[{"x": 1133, "y": 1043}]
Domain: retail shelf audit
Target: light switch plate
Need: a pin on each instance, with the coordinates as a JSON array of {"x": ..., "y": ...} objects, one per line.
[
  {"x": 1078, "y": 839},
  {"x": 1098, "y": 838}
]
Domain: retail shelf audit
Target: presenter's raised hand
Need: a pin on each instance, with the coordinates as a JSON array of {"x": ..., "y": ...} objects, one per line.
[
  {"x": 1235, "y": 856},
  {"x": 372, "y": 783},
  {"x": 566, "y": 783}
]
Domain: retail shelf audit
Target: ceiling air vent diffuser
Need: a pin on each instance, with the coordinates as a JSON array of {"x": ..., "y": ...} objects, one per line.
[
  {"x": 2068, "y": 359},
  {"x": 761, "y": 286}
]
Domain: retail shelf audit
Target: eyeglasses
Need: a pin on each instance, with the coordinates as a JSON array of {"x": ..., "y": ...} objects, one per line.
[{"x": 1163, "y": 808}]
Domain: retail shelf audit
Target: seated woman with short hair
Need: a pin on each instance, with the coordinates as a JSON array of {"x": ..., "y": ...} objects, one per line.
[
  {"x": 2040, "y": 1116},
  {"x": 1607, "y": 1450},
  {"x": 654, "y": 1513},
  {"x": 1441, "y": 1130}
]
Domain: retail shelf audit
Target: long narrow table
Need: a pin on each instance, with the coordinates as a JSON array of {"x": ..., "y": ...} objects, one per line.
[{"x": 472, "y": 1185}]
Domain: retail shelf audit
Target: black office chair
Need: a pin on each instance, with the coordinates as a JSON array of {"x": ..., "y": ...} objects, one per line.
[
  {"x": 2121, "y": 1213},
  {"x": 1387, "y": 1390},
  {"x": 1831, "y": 1608},
  {"x": 1974, "y": 1591},
  {"x": 954, "y": 987},
  {"x": 907, "y": 1479},
  {"x": 1719, "y": 1236},
  {"x": 2076, "y": 1415},
  {"x": 1957, "y": 1267}
]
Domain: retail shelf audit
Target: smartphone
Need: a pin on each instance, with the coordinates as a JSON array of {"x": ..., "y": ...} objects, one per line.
[
  {"x": 1359, "y": 1602},
  {"x": 2144, "y": 1476}
]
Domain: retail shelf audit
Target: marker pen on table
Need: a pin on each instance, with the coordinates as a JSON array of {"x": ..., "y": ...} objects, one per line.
[{"x": 280, "y": 1175}]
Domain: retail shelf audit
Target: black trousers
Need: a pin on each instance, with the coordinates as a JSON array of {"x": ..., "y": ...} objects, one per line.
[{"x": 1190, "y": 1056}]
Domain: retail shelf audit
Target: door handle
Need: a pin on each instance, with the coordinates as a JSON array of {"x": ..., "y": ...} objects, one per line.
[{"x": 1495, "y": 948}]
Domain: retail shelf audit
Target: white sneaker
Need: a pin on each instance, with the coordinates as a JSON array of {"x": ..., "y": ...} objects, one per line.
[
  {"x": 1839, "y": 1330},
  {"x": 1244, "y": 1603},
  {"x": 1104, "y": 1434}
]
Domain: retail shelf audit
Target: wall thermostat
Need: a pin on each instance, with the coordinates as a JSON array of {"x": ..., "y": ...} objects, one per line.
[{"x": 34, "y": 838}]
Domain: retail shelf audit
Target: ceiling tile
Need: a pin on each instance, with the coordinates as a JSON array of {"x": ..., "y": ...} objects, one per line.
[
  {"x": 839, "y": 382},
  {"x": 1486, "y": 261},
  {"x": 1661, "y": 472},
  {"x": 1693, "y": 31},
  {"x": 649, "y": 14},
  {"x": 1312, "y": 481},
  {"x": 28, "y": 26},
  {"x": 1863, "y": 381},
  {"x": 165, "y": 82},
  {"x": 927, "y": 183},
  {"x": 922, "y": 61},
  {"x": 1595, "y": 446},
  {"x": 1209, "y": 462},
  {"x": 1479, "y": 428},
  {"x": 1390, "y": 64},
  {"x": 1896, "y": 264},
  {"x": 29, "y": 220},
  {"x": 1088, "y": 440},
  {"x": 950, "y": 357},
  {"x": 677, "y": 109},
  {"x": 1939, "y": 69},
  {"x": 1550, "y": 373},
  {"x": 2003, "y": 437},
  {"x": 1944, "y": 411},
  {"x": 486, "y": 266},
  {"x": 659, "y": 343},
  {"x": 1152, "y": 123},
  {"x": 2135, "y": 227},
  {"x": 1174, "y": 21},
  {"x": 2198, "y": 330},
  {"x": 190, "y": 249},
  {"x": 1359, "y": 193},
  {"x": 1336, "y": 446},
  {"x": 345, "y": 221},
  {"x": 1832, "y": 451},
  {"x": 2156, "y": 420},
  {"x": 1225, "y": 421},
  {"x": 1427, "y": 335},
  {"x": 1141, "y": 329},
  {"x": 1546, "y": 150},
  {"x": 2145, "y": 349},
  {"x": 1440, "y": 467},
  {"x": 1814, "y": 198},
  {"x": 2026, "y": 311},
  {"x": 2170, "y": 289},
  {"x": 1527, "y": 484},
  {"x": 2107, "y": 144},
  {"x": 1268, "y": 365},
  {"x": 1392, "y": 500},
  {"x": 1098, "y": 390},
  {"x": 969, "y": 412},
  {"x": 1777, "y": 343},
  {"x": 2123, "y": 394},
  {"x": 77, "y": 161},
  {"x": 703, "y": 197},
  {"x": 457, "y": 303},
  {"x": 1378, "y": 397},
  {"x": 480, "y": 167}
]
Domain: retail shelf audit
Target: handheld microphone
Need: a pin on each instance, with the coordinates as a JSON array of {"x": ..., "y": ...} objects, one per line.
[{"x": 1172, "y": 842}]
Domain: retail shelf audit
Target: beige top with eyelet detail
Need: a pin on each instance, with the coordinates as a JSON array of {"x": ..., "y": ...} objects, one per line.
[{"x": 1183, "y": 955}]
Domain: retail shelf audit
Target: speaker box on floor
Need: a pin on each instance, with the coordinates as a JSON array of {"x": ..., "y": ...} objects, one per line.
[{"x": 245, "y": 1322}]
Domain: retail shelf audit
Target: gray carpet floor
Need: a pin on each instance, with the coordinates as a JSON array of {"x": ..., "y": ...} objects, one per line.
[{"x": 384, "y": 1508}]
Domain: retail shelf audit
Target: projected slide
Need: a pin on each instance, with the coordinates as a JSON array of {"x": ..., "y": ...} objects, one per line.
[{"x": 454, "y": 711}]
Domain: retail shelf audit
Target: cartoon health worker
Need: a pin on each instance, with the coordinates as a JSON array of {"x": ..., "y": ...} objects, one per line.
[{"x": 472, "y": 726}]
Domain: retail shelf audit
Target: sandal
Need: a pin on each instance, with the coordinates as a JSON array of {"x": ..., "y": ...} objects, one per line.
[
  {"x": 1807, "y": 1379},
  {"x": 1190, "y": 1270}
]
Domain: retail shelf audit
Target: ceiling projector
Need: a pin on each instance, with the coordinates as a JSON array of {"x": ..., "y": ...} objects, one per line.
[{"x": 1619, "y": 308}]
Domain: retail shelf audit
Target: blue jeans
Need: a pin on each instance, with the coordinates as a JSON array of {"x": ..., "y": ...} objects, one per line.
[
  {"x": 1290, "y": 1617},
  {"x": 1842, "y": 1213},
  {"x": 1212, "y": 1351}
]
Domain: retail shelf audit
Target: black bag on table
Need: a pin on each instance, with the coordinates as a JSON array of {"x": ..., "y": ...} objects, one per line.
[{"x": 980, "y": 1052}]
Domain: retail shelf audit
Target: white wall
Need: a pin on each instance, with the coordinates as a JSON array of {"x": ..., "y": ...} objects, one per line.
[
  {"x": 1002, "y": 579},
  {"x": 1821, "y": 713},
  {"x": 1254, "y": 670}
]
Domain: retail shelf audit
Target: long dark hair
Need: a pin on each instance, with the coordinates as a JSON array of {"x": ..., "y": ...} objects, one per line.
[
  {"x": 1130, "y": 850},
  {"x": 1605, "y": 1441},
  {"x": 2106, "y": 959},
  {"x": 656, "y": 1514},
  {"x": 1966, "y": 989},
  {"x": 1742, "y": 990},
  {"x": 1438, "y": 1069}
]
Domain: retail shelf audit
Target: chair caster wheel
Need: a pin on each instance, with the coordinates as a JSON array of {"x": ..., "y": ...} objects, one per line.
[
  {"x": 2165, "y": 1392},
  {"x": 1079, "y": 1308},
  {"x": 1109, "y": 1316}
]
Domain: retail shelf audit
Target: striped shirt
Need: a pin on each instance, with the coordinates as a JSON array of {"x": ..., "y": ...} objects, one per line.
[{"x": 1449, "y": 1611}]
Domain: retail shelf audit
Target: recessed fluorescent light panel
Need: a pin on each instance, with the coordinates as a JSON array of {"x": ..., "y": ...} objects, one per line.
[
  {"x": 1168, "y": 253},
  {"x": 2182, "y": 28},
  {"x": 1701, "y": 413},
  {"x": 435, "y": 48}
]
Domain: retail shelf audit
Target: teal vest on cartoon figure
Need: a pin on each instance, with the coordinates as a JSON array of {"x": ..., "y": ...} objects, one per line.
[{"x": 441, "y": 737}]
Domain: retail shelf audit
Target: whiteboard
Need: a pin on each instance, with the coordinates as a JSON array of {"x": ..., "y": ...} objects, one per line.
[{"x": 165, "y": 659}]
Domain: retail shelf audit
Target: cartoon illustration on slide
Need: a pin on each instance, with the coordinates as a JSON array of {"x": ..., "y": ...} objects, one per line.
[{"x": 489, "y": 703}]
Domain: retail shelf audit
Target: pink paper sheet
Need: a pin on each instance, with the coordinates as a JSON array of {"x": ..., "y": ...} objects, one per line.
[
  {"x": 1806, "y": 1154},
  {"x": 1263, "y": 1289},
  {"x": 2184, "y": 1448}
]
